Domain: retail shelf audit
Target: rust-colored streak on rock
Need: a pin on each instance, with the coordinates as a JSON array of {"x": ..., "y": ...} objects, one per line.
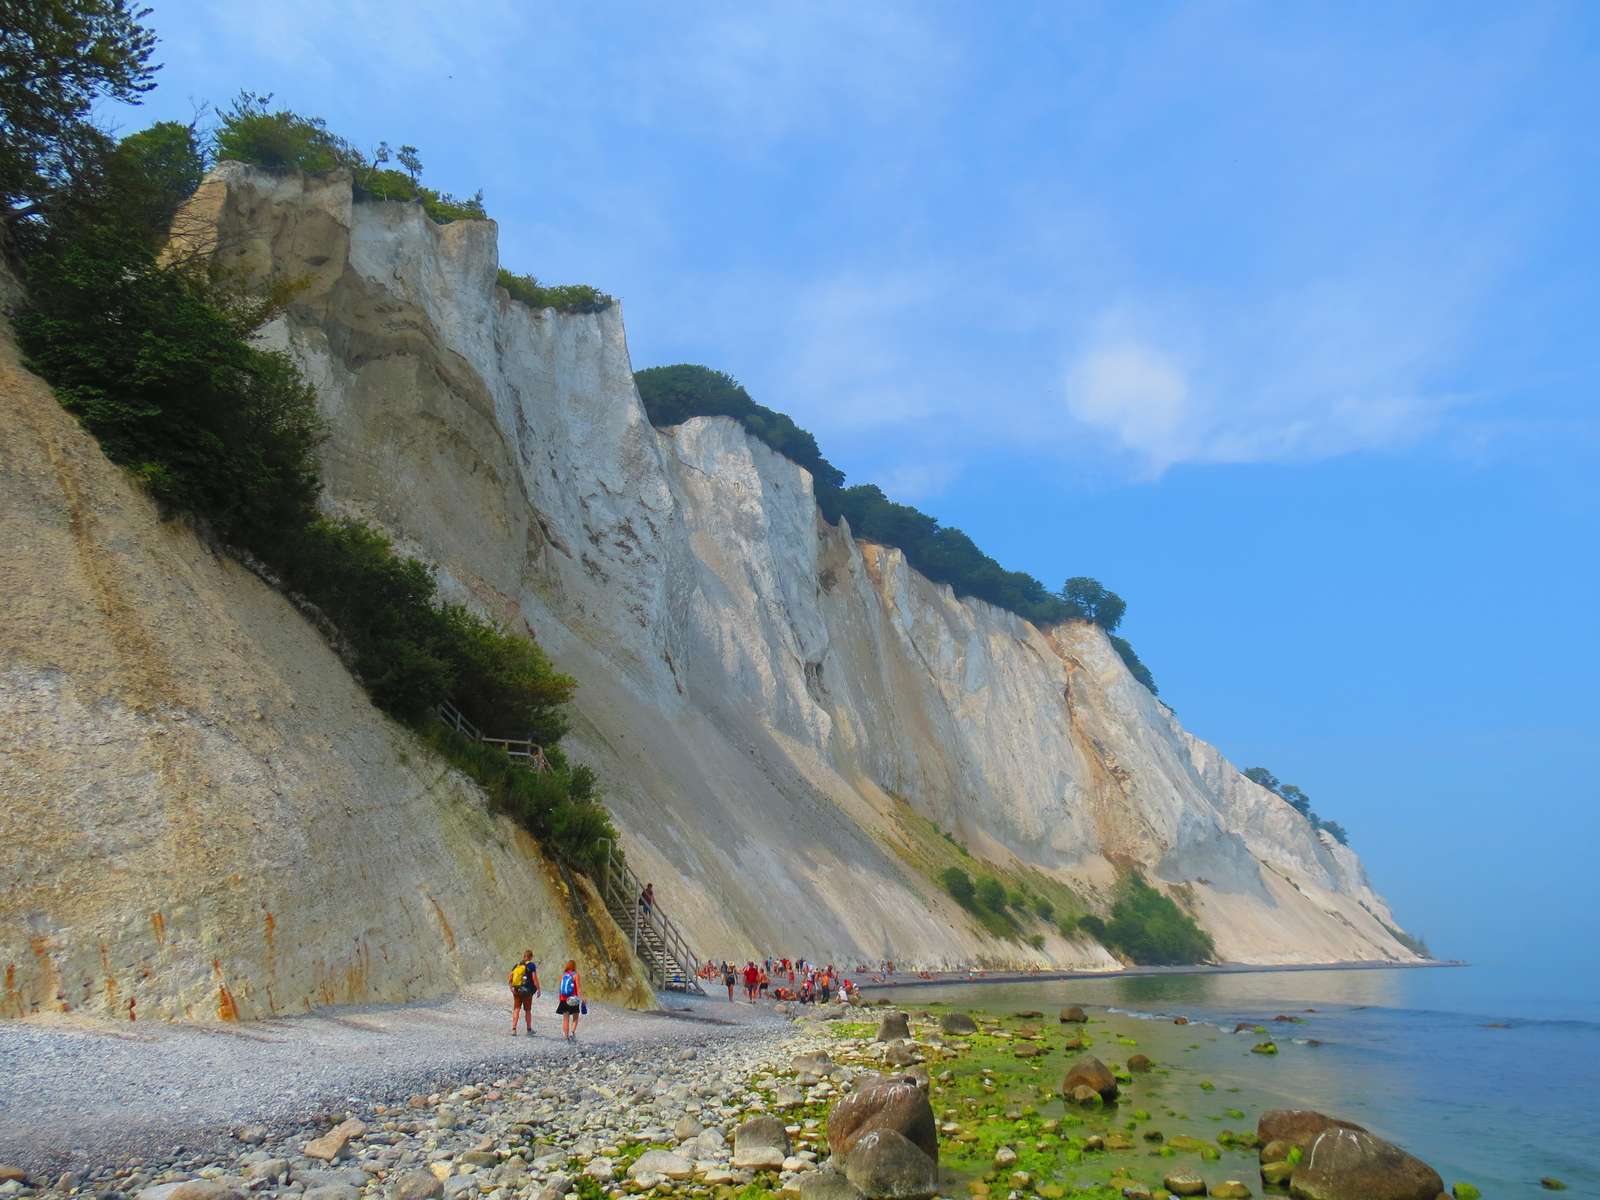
[
  {"x": 227, "y": 1010},
  {"x": 159, "y": 924},
  {"x": 444, "y": 925}
]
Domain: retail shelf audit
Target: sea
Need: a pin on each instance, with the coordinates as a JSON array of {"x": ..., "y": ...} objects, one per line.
[{"x": 1491, "y": 1075}]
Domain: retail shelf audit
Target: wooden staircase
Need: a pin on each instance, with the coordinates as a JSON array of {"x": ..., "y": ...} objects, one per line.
[{"x": 667, "y": 959}]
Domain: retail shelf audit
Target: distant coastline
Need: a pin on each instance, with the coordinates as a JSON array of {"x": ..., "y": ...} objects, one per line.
[{"x": 947, "y": 977}]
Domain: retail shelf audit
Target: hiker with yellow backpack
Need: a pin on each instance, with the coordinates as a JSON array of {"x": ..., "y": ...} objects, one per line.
[{"x": 524, "y": 987}]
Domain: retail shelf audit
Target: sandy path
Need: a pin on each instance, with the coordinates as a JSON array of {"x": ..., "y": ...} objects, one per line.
[{"x": 75, "y": 1093}]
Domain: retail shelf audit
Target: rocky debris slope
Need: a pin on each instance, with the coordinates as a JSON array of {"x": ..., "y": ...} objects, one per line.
[
  {"x": 201, "y": 815},
  {"x": 773, "y": 706}
]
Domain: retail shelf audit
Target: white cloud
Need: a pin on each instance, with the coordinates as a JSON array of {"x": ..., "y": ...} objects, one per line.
[{"x": 1133, "y": 392}]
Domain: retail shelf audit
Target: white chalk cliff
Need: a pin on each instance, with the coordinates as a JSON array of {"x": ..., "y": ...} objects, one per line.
[{"x": 782, "y": 716}]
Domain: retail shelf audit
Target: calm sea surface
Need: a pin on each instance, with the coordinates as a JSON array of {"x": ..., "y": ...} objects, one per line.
[{"x": 1411, "y": 1054}]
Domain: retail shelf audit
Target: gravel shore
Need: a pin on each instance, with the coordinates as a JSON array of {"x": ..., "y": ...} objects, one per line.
[{"x": 77, "y": 1096}]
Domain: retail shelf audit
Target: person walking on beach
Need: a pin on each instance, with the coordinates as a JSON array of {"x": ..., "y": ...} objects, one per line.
[
  {"x": 751, "y": 978},
  {"x": 727, "y": 978},
  {"x": 524, "y": 987},
  {"x": 570, "y": 1004}
]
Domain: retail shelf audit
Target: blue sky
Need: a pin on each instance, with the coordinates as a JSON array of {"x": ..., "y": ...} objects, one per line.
[{"x": 1279, "y": 319}]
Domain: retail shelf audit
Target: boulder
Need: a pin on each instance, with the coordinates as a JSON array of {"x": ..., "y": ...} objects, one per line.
[
  {"x": 686, "y": 1128},
  {"x": 1277, "y": 1150},
  {"x": 1277, "y": 1173},
  {"x": 958, "y": 1023},
  {"x": 1231, "y": 1189},
  {"x": 1073, "y": 1016},
  {"x": 893, "y": 1102},
  {"x": 1551, "y": 1184},
  {"x": 268, "y": 1170},
  {"x": 660, "y": 1162},
  {"x": 817, "y": 1064},
  {"x": 192, "y": 1189},
  {"x": 331, "y": 1144},
  {"x": 415, "y": 1185},
  {"x": 1183, "y": 1183},
  {"x": 827, "y": 1184},
  {"x": 1351, "y": 1164},
  {"x": 1297, "y": 1127},
  {"x": 900, "y": 1054},
  {"x": 761, "y": 1143},
  {"x": 1180, "y": 1020},
  {"x": 1089, "y": 1071},
  {"x": 885, "y": 1165},
  {"x": 1028, "y": 1051},
  {"x": 894, "y": 1027},
  {"x": 1139, "y": 1063},
  {"x": 1084, "y": 1094},
  {"x": 331, "y": 1191}
]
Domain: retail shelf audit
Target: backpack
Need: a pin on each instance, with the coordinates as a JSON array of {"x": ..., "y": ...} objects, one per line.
[
  {"x": 522, "y": 977},
  {"x": 569, "y": 984}
]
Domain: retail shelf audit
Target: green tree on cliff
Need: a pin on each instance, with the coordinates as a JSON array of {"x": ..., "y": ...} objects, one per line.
[{"x": 57, "y": 59}]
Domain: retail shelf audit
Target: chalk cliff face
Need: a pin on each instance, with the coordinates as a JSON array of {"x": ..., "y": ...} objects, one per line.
[
  {"x": 784, "y": 718},
  {"x": 201, "y": 815},
  {"x": 772, "y": 705}
]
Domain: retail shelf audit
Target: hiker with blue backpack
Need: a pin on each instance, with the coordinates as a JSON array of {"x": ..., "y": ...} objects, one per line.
[
  {"x": 524, "y": 987},
  {"x": 571, "y": 1004}
]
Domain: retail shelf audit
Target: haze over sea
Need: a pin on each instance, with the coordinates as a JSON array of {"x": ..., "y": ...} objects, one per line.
[{"x": 1488, "y": 1074}]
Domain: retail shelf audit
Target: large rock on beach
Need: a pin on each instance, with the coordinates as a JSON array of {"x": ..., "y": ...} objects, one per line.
[
  {"x": 1090, "y": 1072},
  {"x": 1297, "y": 1126},
  {"x": 192, "y": 1189},
  {"x": 416, "y": 1185},
  {"x": 1073, "y": 1015},
  {"x": 1184, "y": 1183},
  {"x": 761, "y": 1143},
  {"x": 827, "y": 1184},
  {"x": 894, "y": 1027},
  {"x": 896, "y": 1102},
  {"x": 958, "y": 1023},
  {"x": 886, "y": 1165},
  {"x": 1352, "y": 1164},
  {"x": 663, "y": 1163}
]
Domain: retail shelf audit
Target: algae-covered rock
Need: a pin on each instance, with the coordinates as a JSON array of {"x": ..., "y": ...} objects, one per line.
[
  {"x": 1264, "y": 1048},
  {"x": 1277, "y": 1173},
  {"x": 958, "y": 1024},
  {"x": 1089, "y": 1071},
  {"x": 1182, "y": 1183},
  {"x": 894, "y": 1027},
  {"x": 1231, "y": 1189},
  {"x": 1139, "y": 1063},
  {"x": 1073, "y": 1015},
  {"x": 1465, "y": 1191}
]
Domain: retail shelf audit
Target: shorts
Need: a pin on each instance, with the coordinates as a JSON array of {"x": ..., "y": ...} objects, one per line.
[
  {"x": 521, "y": 999},
  {"x": 568, "y": 1006}
]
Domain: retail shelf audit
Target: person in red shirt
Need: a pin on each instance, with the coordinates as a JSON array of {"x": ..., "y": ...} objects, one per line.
[{"x": 752, "y": 978}]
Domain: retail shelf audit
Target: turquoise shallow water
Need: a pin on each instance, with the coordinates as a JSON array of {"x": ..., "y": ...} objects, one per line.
[{"x": 1408, "y": 1053}]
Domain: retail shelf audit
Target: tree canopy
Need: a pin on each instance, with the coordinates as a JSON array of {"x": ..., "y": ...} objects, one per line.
[
  {"x": 1297, "y": 800},
  {"x": 57, "y": 58}
]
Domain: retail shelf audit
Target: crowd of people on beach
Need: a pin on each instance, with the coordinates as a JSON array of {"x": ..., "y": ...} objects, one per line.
[{"x": 795, "y": 980}]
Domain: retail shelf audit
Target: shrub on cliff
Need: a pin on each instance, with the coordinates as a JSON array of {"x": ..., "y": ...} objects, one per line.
[
  {"x": 251, "y": 131},
  {"x": 566, "y": 297},
  {"x": 1146, "y": 926},
  {"x": 959, "y": 884}
]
